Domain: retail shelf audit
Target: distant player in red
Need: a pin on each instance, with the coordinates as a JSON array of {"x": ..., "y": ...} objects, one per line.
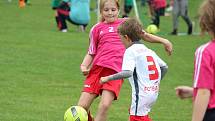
[
  {"x": 142, "y": 67},
  {"x": 157, "y": 9},
  {"x": 104, "y": 57},
  {"x": 22, "y": 3},
  {"x": 203, "y": 90}
]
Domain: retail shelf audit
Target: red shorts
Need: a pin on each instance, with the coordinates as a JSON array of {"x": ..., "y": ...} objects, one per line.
[
  {"x": 140, "y": 118},
  {"x": 92, "y": 82}
]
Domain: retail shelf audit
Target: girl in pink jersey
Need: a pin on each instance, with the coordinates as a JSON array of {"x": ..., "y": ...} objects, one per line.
[
  {"x": 104, "y": 57},
  {"x": 203, "y": 90}
]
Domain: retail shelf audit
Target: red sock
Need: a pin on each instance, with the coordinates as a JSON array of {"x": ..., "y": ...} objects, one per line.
[{"x": 90, "y": 118}]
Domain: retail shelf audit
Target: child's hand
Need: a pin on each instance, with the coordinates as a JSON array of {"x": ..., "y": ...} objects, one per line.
[
  {"x": 184, "y": 92},
  {"x": 168, "y": 47},
  {"x": 103, "y": 80},
  {"x": 84, "y": 70}
]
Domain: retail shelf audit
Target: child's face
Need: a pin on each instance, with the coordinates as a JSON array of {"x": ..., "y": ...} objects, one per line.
[
  {"x": 126, "y": 41},
  {"x": 110, "y": 11}
]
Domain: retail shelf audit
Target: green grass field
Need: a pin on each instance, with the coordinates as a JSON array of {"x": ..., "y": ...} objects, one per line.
[{"x": 39, "y": 66}]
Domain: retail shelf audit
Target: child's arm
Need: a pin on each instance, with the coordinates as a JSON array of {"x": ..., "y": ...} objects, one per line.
[
  {"x": 163, "y": 71},
  {"x": 156, "y": 39},
  {"x": 86, "y": 64},
  {"x": 120, "y": 75},
  {"x": 184, "y": 92},
  {"x": 200, "y": 104}
]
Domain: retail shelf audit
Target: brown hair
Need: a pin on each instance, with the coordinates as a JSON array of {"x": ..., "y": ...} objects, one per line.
[
  {"x": 101, "y": 6},
  {"x": 132, "y": 28},
  {"x": 207, "y": 16}
]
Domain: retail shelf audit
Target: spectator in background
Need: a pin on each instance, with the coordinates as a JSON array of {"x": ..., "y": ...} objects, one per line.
[
  {"x": 55, "y": 4},
  {"x": 27, "y": 2},
  {"x": 157, "y": 9},
  {"x": 22, "y": 3},
  {"x": 143, "y": 2},
  {"x": 180, "y": 8},
  {"x": 75, "y": 11},
  {"x": 127, "y": 7}
]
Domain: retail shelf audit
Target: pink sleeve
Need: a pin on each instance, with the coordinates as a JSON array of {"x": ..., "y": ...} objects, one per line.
[
  {"x": 93, "y": 38},
  {"x": 204, "y": 77}
]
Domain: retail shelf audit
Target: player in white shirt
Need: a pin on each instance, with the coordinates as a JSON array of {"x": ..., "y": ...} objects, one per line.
[{"x": 143, "y": 68}]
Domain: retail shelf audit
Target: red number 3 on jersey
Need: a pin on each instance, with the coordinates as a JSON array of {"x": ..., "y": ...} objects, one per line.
[{"x": 152, "y": 68}]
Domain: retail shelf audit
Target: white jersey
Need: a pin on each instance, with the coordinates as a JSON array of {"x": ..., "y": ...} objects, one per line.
[{"x": 146, "y": 77}]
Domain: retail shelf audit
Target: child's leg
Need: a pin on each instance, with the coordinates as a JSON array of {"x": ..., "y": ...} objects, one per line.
[
  {"x": 156, "y": 19},
  {"x": 62, "y": 15},
  {"x": 106, "y": 101},
  {"x": 83, "y": 28},
  {"x": 127, "y": 10},
  {"x": 85, "y": 101}
]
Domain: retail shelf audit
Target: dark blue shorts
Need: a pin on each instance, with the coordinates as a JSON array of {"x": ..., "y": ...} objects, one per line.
[{"x": 209, "y": 115}]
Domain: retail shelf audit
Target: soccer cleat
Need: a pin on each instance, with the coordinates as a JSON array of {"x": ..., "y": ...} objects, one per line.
[
  {"x": 190, "y": 30},
  {"x": 64, "y": 30},
  {"x": 90, "y": 117},
  {"x": 83, "y": 28},
  {"x": 174, "y": 32}
]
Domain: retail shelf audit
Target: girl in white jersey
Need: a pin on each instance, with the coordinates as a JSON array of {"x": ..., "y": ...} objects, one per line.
[
  {"x": 143, "y": 68},
  {"x": 203, "y": 90}
]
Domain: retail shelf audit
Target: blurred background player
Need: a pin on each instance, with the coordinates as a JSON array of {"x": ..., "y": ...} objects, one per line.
[
  {"x": 127, "y": 7},
  {"x": 22, "y": 3},
  {"x": 157, "y": 9},
  {"x": 143, "y": 2},
  {"x": 76, "y": 12},
  {"x": 55, "y": 4},
  {"x": 27, "y": 2},
  {"x": 143, "y": 68},
  {"x": 180, "y": 8},
  {"x": 203, "y": 90}
]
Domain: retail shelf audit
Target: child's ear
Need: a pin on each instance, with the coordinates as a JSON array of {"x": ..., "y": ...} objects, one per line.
[{"x": 126, "y": 36}]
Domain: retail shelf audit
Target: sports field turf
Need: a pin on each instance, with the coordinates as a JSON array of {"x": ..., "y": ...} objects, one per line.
[{"x": 39, "y": 66}]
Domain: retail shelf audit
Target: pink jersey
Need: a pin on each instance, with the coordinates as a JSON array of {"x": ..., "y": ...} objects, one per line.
[
  {"x": 106, "y": 45},
  {"x": 204, "y": 70}
]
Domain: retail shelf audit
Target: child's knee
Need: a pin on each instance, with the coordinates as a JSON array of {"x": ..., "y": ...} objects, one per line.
[{"x": 104, "y": 106}]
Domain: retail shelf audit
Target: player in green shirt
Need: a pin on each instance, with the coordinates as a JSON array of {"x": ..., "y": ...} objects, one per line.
[
  {"x": 55, "y": 3},
  {"x": 128, "y": 5}
]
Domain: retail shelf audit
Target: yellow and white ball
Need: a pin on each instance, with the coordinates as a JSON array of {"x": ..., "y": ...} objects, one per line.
[
  {"x": 152, "y": 29},
  {"x": 75, "y": 113}
]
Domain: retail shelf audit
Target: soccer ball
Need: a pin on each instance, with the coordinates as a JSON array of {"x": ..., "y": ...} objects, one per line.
[
  {"x": 75, "y": 113},
  {"x": 152, "y": 29}
]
